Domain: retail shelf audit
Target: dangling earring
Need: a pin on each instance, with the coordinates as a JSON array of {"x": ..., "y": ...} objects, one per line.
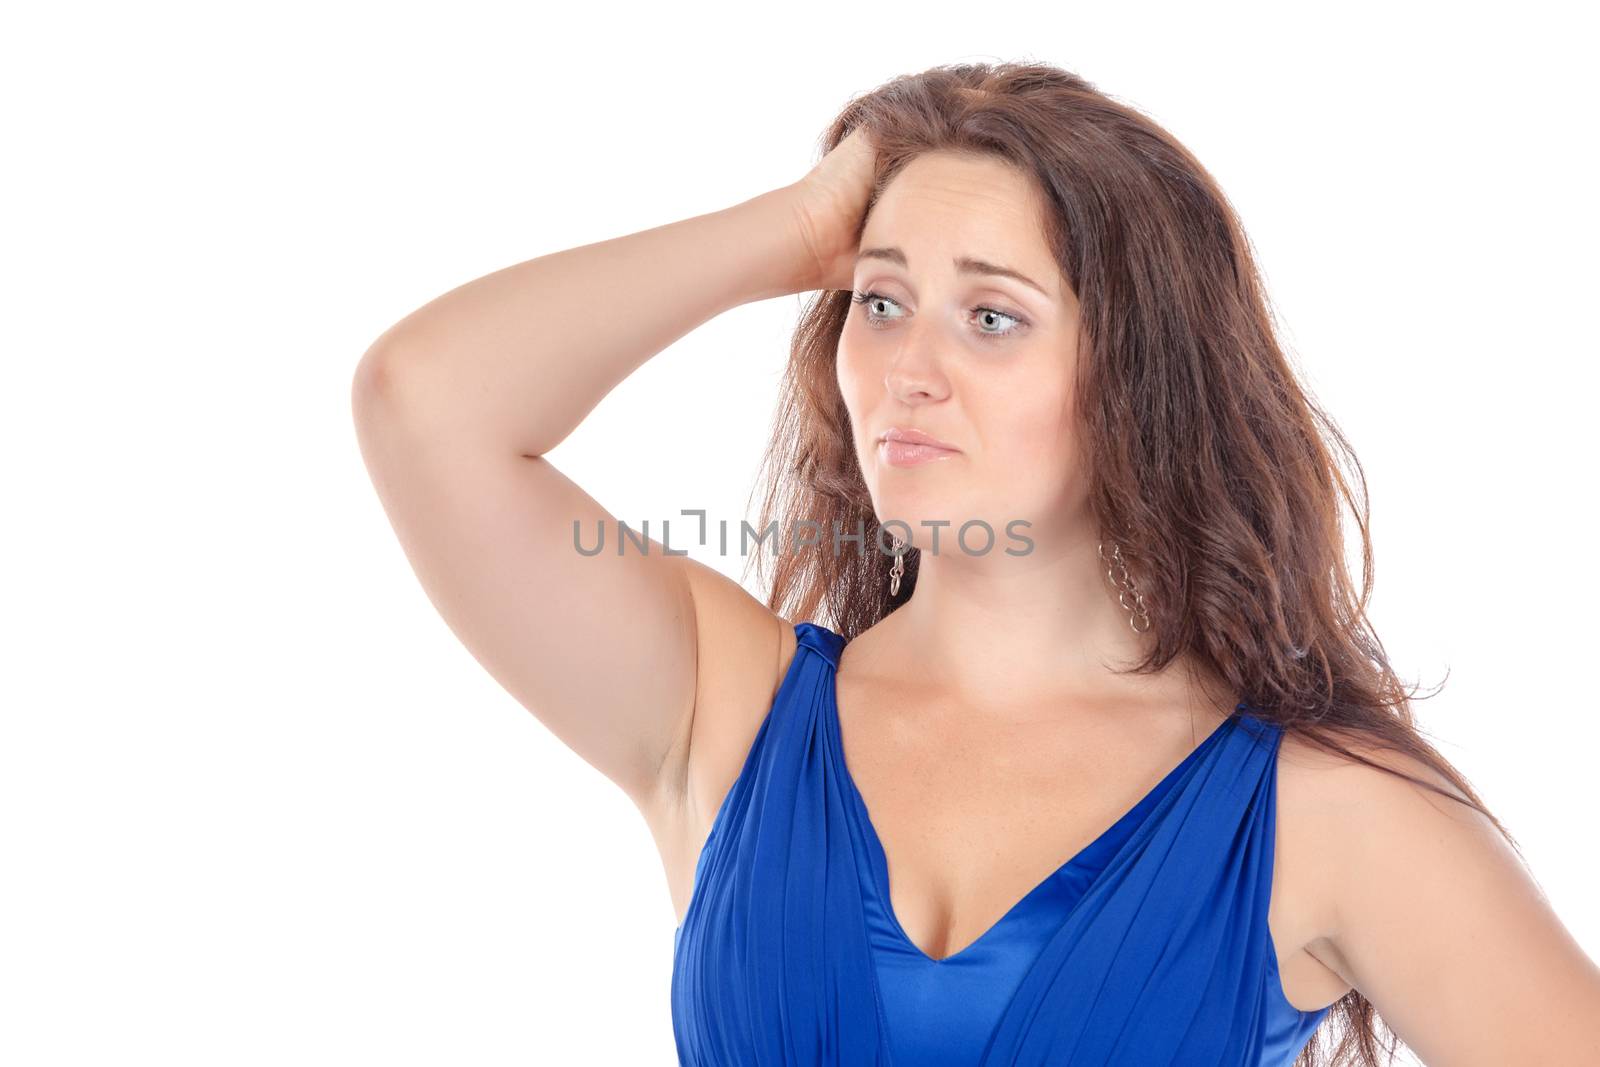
[
  {"x": 1117, "y": 571},
  {"x": 898, "y": 569}
]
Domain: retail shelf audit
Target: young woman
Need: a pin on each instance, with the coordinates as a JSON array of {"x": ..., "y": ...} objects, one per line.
[{"x": 1081, "y": 750}]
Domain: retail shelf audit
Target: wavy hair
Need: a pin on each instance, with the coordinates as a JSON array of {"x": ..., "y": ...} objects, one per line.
[{"x": 1209, "y": 463}]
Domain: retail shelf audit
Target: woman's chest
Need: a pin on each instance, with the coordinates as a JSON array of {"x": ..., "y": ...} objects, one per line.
[{"x": 974, "y": 810}]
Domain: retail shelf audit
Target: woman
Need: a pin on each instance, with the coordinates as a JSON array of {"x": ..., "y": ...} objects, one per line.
[{"x": 1038, "y": 328}]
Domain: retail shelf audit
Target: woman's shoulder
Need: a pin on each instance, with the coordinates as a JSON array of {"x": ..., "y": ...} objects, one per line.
[
  {"x": 1372, "y": 776},
  {"x": 1343, "y": 818},
  {"x": 1340, "y": 800},
  {"x": 742, "y": 650}
]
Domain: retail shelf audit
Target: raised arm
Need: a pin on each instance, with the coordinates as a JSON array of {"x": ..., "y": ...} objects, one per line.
[{"x": 455, "y": 407}]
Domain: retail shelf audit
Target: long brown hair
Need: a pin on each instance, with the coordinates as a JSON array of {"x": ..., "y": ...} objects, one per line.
[{"x": 1210, "y": 465}]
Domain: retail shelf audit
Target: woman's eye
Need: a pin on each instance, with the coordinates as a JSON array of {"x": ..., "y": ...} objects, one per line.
[
  {"x": 985, "y": 316},
  {"x": 992, "y": 313},
  {"x": 872, "y": 300}
]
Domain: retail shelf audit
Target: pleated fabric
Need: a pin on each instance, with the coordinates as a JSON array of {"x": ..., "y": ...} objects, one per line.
[{"x": 1150, "y": 946}]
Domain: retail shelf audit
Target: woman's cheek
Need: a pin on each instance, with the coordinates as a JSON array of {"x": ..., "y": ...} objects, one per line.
[{"x": 1041, "y": 435}]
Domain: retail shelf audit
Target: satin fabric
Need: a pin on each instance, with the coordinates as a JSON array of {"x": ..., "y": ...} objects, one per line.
[{"x": 1150, "y": 946}]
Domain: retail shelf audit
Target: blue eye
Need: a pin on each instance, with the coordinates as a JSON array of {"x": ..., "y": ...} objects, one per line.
[
  {"x": 873, "y": 298},
  {"x": 876, "y": 320}
]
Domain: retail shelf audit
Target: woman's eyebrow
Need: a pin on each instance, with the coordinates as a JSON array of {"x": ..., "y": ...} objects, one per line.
[{"x": 963, "y": 265}]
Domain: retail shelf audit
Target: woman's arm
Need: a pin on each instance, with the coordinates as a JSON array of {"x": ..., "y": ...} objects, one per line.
[
  {"x": 455, "y": 406},
  {"x": 1439, "y": 924}
]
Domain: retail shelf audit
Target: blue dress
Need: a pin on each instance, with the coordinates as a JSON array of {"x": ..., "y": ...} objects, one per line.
[{"x": 1149, "y": 947}]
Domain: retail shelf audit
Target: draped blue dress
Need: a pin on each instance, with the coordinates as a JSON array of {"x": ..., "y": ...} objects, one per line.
[{"x": 1148, "y": 947}]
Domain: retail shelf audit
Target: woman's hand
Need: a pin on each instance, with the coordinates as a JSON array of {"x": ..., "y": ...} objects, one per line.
[{"x": 829, "y": 203}]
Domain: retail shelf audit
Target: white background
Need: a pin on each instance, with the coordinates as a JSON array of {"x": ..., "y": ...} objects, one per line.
[{"x": 258, "y": 805}]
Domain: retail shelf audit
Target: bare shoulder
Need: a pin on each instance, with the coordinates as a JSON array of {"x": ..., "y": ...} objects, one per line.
[
  {"x": 1433, "y": 915},
  {"x": 743, "y": 650},
  {"x": 1370, "y": 782},
  {"x": 1343, "y": 817},
  {"x": 741, "y": 647}
]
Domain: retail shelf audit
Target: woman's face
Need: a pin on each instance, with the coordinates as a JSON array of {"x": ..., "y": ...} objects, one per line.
[{"x": 982, "y": 361}]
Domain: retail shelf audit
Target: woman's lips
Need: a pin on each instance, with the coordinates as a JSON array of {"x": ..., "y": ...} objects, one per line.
[{"x": 910, "y": 454}]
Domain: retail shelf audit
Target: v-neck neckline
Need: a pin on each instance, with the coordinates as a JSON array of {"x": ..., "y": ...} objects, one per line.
[{"x": 880, "y": 859}]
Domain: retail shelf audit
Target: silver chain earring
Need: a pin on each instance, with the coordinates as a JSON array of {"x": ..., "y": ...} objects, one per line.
[
  {"x": 898, "y": 569},
  {"x": 1117, "y": 572}
]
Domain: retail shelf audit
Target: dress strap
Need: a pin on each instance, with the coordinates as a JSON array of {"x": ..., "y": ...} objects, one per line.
[{"x": 821, "y": 639}]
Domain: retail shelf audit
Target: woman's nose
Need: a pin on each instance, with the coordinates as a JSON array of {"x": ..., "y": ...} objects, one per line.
[{"x": 914, "y": 373}]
